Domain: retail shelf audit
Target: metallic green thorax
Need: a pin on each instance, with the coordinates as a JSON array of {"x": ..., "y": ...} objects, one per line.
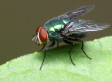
[{"x": 54, "y": 26}]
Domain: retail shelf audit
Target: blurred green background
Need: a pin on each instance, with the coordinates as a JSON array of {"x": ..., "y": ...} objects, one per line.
[{"x": 20, "y": 18}]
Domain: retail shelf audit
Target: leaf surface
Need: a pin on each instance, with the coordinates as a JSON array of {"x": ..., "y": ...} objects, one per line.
[{"x": 58, "y": 67}]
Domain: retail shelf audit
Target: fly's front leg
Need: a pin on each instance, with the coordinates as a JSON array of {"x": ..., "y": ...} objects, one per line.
[
  {"x": 68, "y": 42},
  {"x": 42, "y": 48},
  {"x": 79, "y": 40},
  {"x": 45, "y": 53}
]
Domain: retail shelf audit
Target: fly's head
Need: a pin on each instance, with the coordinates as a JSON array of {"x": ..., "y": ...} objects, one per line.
[{"x": 41, "y": 36}]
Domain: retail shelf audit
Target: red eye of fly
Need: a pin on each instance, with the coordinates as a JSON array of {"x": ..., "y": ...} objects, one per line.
[
  {"x": 38, "y": 29},
  {"x": 43, "y": 35}
]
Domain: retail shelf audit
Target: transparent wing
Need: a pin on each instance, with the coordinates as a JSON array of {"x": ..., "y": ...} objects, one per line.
[
  {"x": 78, "y": 12},
  {"x": 75, "y": 13},
  {"x": 82, "y": 25}
]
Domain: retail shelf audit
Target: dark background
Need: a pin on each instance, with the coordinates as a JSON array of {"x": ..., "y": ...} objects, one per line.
[{"x": 20, "y": 18}]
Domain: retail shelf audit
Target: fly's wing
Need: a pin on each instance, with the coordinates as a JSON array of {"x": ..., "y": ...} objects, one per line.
[
  {"x": 78, "y": 12},
  {"x": 75, "y": 13},
  {"x": 82, "y": 25}
]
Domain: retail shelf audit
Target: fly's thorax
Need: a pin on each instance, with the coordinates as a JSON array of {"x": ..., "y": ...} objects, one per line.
[
  {"x": 41, "y": 36},
  {"x": 54, "y": 26}
]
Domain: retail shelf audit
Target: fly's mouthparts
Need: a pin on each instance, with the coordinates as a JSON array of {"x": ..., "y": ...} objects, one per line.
[{"x": 35, "y": 39}]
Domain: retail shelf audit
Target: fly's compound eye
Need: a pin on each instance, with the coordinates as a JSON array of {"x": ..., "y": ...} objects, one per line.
[
  {"x": 43, "y": 35},
  {"x": 38, "y": 29}
]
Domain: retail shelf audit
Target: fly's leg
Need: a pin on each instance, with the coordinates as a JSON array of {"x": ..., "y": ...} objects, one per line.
[
  {"x": 68, "y": 42},
  {"x": 84, "y": 51},
  {"x": 42, "y": 48},
  {"x": 79, "y": 40},
  {"x": 57, "y": 44},
  {"x": 45, "y": 53},
  {"x": 43, "y": 59}
]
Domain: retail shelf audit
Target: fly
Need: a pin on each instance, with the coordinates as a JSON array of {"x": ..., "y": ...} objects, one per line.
[{"x": 67, "y": 28}]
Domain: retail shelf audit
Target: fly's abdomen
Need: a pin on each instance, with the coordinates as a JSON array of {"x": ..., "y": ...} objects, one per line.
[{"x": 54, "y": 26}]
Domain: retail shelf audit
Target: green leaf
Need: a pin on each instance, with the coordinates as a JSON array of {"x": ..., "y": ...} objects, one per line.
[{"x": 58, "y": 67}]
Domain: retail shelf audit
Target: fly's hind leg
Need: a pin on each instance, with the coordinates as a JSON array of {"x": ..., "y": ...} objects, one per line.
[{"x": 79, "y": 40}]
